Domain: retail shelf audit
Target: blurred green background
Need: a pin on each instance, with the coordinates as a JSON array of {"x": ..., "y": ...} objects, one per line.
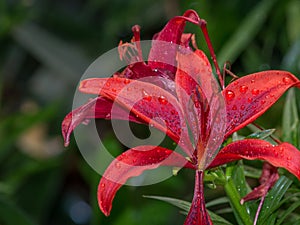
[{"x": 46, "y": 45}]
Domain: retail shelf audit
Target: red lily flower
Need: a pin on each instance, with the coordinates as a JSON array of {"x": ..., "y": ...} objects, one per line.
[{"x": 184, "y": 101}]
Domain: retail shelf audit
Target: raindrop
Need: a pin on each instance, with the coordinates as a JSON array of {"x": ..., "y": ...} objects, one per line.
[
  {"x": 229, "y": 95},
  {"x": 114, "y": 89},
  {"x": 162, "y": 100},
  {"x": 234, "y": 107},
  {"x": 147, "y": 97},
  {"x": 252, "y": 81},
  {"x": 102, "y": 185},
  {"x": 243, "y": 89},
  {"x": 126, "y": 81},
  {"x": 249, "y": 99},
  {"x": 286, "y": 80},
  {"x": 107, "y": 84},
  {"x": 118, "y": 165},
  {"x": 242, "y": 107},
  {"x": 255, "y": 91},
  {"x": 263, "y": 102}
]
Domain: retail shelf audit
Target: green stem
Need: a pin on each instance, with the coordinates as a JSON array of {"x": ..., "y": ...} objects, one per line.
[{"x": 234, "y": 198}]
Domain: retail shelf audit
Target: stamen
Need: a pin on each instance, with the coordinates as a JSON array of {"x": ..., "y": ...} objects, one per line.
[{"x": 137, "y": 38}]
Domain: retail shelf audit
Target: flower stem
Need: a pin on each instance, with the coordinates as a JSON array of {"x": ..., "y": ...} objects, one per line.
[
  {"x": 234, "y": 198},
  {"x": 198, "y": 213}
]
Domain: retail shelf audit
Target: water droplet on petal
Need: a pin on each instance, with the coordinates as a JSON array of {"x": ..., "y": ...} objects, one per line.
[
  {"x": 126, "y": 81},
  {"x": 234, "y": 107},
  {"x": 114, "y": 89},
  {"x": 286, "y": 80},
  {"x": 162, "y": 100},
  {"x": 242, "y": 107},
  {"x": 255, "y": 91},
  {"x": 229, "y": 95},
  {"x": 118, "y": 165},
  {"x": 249, "y": 99},
  {"x": 243, "y": 89},
  {"x": 263, "y": 102},
  {"x": 102, "y": 185},
  {"x": 146, "y": 96},
  {"x": 107, "y": 84},
  {"x": 252, "y": 81}
]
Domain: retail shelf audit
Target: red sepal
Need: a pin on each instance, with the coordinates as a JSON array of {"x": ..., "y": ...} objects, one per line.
[
  {"x": 131, "y": 164},
  {"x": 267, "y": 180},
  {"x": 148, "y": 102},
  {"x": 250, "y": 96},
  {"x": 284, "y": 155}
]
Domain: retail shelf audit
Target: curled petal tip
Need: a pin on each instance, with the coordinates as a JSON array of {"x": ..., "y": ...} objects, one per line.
[
  {"x": 136, "y": 28},
  {"x": 67, "y": 142}
]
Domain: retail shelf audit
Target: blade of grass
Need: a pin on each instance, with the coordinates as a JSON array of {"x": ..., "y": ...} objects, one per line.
[{"x": 246, "y": 32}]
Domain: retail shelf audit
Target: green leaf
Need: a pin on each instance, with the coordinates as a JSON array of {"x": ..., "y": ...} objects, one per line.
[
  {"x": 293, "y": 20},
  {"x": 217, "y": 201},
  {"x": 290, "y": 120},
  {"x": 261, "y": 134},
  {"x": 238, "y": 177},
  {"x": 185, "y": 206},
  {"x": 272, "y": 200},
  {"x": 233, "y": 191},
  {"x": 287, "y": 212},
  {"x": 246, "y": 32},
  {"x": 12, "y": 215},
  {"x": 255, "y": 129}
]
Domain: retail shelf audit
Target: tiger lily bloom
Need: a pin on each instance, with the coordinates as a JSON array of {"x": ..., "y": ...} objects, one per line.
[{"x": 186, "y": 103}]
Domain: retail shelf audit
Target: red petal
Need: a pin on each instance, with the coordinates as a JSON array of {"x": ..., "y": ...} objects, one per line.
[
  {"x": 198, "y": 213},
  {"x": 249, "y": 97},
  {"x": 193, "y": 87},
  {"x": 166, "y": 40},
  {"x": 267, "y": 180},
  {"x": 284, "y": 155},
  {"x": 96, "y": 108},
  {"x": 148, "y": 102},
  {"x": 131, "y": 164},
  {"x": 198, "y": 93}
]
